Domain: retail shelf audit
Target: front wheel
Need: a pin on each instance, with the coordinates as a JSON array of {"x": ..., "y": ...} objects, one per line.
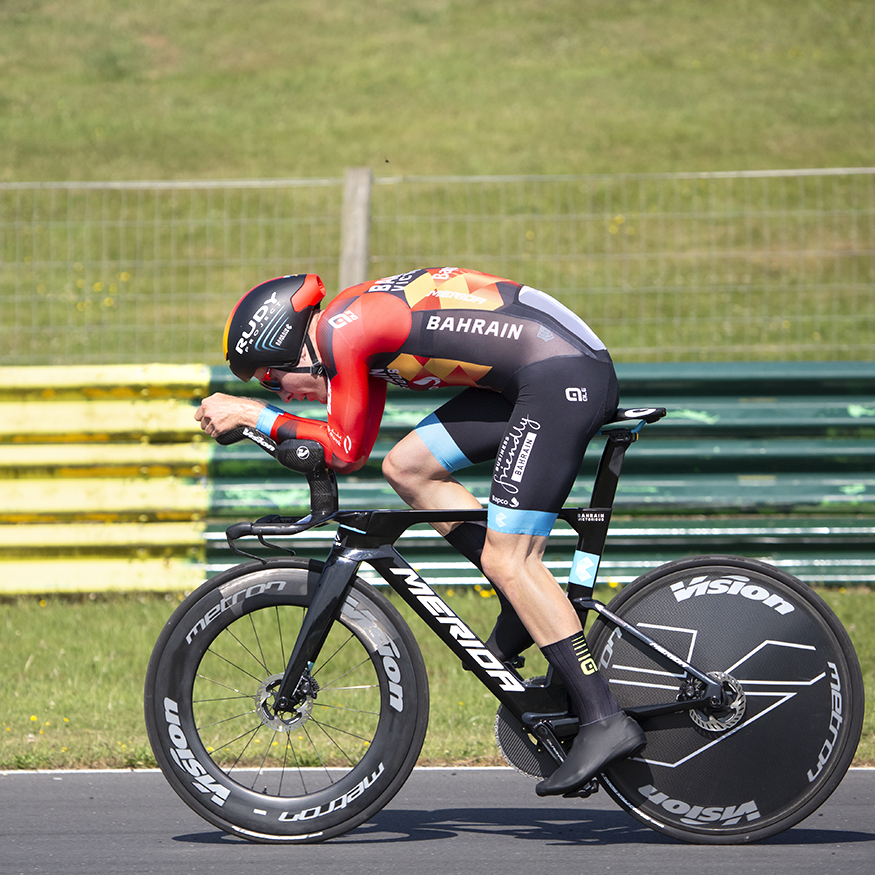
[
  {"x": 793, "y": 699},
  {"x": 305, "y": 776}
]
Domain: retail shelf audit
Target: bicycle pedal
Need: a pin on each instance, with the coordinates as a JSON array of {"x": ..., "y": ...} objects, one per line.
[{"x": 590, "y": 787}]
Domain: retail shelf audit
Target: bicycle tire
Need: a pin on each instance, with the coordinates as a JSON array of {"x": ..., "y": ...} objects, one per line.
[
  {"x": 736, "y": 777},
  {"x": 223, "y": 750}
]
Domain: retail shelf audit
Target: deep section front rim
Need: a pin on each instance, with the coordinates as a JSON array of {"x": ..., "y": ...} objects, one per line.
[{"x": 302, "y": 776}]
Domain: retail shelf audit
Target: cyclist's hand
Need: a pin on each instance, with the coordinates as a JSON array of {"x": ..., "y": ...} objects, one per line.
[{"x": 219, "y": 413}]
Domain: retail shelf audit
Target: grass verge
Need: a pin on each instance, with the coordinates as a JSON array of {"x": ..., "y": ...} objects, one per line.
[
  {"x": 74, "y": 669},
  {"x": 125, "y": 90}
]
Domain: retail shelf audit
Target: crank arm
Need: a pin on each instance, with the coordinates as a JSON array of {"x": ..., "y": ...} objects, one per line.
[
  {"x": 544, "y": 733},
  {"x": 646, "y": 711}
]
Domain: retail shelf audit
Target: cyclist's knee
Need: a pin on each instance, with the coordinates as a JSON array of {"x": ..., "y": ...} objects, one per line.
[
  {"x": 500, "y": 571},
  {"x": 408, "y": 464},
  {"x": 394, "y": 469},
  {"x": 508, "y": 562}
]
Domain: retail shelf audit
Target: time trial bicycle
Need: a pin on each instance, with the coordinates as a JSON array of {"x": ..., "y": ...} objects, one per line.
[{"x": 287, "y": 700}]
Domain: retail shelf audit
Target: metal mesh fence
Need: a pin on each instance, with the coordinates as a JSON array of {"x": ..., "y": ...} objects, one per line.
[
  {"x": 665, "y": 267},
  {"x": 148, "y": 272}
]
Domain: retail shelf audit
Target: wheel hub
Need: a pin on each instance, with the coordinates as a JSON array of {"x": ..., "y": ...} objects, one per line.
[
  {"x": 264, "y": 701},
  {"x": 731, "y": 713}
]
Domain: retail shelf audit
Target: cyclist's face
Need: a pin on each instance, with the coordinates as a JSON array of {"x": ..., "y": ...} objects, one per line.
[{"x": 296, "y": 387}]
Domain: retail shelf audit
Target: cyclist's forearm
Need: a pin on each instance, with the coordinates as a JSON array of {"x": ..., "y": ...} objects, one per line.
[{"x": 282, "y": 426}]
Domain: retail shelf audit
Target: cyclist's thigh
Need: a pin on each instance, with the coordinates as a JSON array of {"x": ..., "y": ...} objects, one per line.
[
  {"x": 467, "y": 429},
  {"x": 537, "y": 431},
  {"x": 560, "y": 406}
]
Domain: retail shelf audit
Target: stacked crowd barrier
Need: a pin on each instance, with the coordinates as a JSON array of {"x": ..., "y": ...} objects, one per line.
[{"x": 108, "y": 483}]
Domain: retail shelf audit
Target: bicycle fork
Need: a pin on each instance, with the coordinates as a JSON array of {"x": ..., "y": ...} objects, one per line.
[{"x": 334, "y": 583}]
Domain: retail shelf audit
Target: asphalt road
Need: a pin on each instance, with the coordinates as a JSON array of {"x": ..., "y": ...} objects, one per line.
[{"x": 446, "y": 821}]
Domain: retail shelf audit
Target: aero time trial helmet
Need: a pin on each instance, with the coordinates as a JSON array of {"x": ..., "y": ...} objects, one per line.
[{"x": 268, "y": 327}]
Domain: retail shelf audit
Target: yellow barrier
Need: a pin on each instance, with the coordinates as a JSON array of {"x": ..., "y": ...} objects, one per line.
[
  {"x": 99, "y": 478},
  {"x": 29, "y": 576},
  {"x": 91, "y": 382},
  {"x": 101, "y": 466}
]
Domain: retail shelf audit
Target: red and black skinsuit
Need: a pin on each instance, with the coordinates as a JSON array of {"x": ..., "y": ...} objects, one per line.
[{"x": 538, "y": 383}]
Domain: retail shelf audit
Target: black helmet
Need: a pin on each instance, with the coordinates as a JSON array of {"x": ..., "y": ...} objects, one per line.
[{"x": 268, "y": 327}]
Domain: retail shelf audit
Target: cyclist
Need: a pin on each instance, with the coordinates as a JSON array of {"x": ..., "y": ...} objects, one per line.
[{"x": 537, "y": 385}]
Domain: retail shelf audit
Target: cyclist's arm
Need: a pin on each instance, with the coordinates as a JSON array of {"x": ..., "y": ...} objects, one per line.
[
  {"x": 351, "y": 333},
  {"x": 348, "y": 438}
]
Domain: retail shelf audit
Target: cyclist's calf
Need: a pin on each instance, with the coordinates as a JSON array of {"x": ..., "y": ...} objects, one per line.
[{"x": 515, "y": 564}]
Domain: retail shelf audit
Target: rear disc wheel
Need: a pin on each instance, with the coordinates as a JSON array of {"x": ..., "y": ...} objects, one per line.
[{"x": 794, "y": 692}]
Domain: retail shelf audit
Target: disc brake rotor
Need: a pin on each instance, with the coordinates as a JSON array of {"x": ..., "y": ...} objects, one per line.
[
  {"x": 720, "y": 721},
  {"x": 264, "y": 699}
]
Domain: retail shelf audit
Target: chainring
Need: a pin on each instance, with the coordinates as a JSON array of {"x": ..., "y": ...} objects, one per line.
[{"x": 520, "y": 749}]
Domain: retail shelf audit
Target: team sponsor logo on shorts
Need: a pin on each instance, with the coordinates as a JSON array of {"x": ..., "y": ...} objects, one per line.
[
  {"x": 514, "y": 454},
  {"x": 573, "y": 393}
]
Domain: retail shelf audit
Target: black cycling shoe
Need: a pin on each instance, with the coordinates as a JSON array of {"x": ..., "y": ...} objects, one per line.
[{"x": 596, "y": 746}]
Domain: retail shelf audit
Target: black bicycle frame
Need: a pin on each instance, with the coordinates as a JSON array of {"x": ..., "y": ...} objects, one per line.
[{"x": 369, "y": 536}]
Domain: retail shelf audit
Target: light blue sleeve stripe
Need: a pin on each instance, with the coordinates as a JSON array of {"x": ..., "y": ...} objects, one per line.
[
  {"x": 520, "y": 522},
  {"x": 441, "y": 445},
  {"x": 267, "y": 418}
]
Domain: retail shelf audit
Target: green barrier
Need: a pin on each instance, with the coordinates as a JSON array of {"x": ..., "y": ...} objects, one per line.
[{"x": 98, "y": 463}]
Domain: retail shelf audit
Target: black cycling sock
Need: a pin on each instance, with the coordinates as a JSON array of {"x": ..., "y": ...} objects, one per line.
[
  {"x": 591, "y": 699},
  {"x": 510, "y": 637}
]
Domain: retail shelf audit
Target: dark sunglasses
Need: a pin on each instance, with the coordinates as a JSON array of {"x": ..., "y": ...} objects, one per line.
[{"x": 269, "y": 381}]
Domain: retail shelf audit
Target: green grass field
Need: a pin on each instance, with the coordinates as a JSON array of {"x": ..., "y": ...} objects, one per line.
[
  {"x": 202, "y": 89},
  {"x": 72, "y": 685},
  {"x": 113, "y": 89}
]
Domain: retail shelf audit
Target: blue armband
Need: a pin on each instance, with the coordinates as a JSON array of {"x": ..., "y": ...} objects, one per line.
[{"x": 267, "y": 418}]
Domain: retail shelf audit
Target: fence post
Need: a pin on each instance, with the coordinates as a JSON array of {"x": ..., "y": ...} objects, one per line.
[{"x": 354, "y": 223}]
